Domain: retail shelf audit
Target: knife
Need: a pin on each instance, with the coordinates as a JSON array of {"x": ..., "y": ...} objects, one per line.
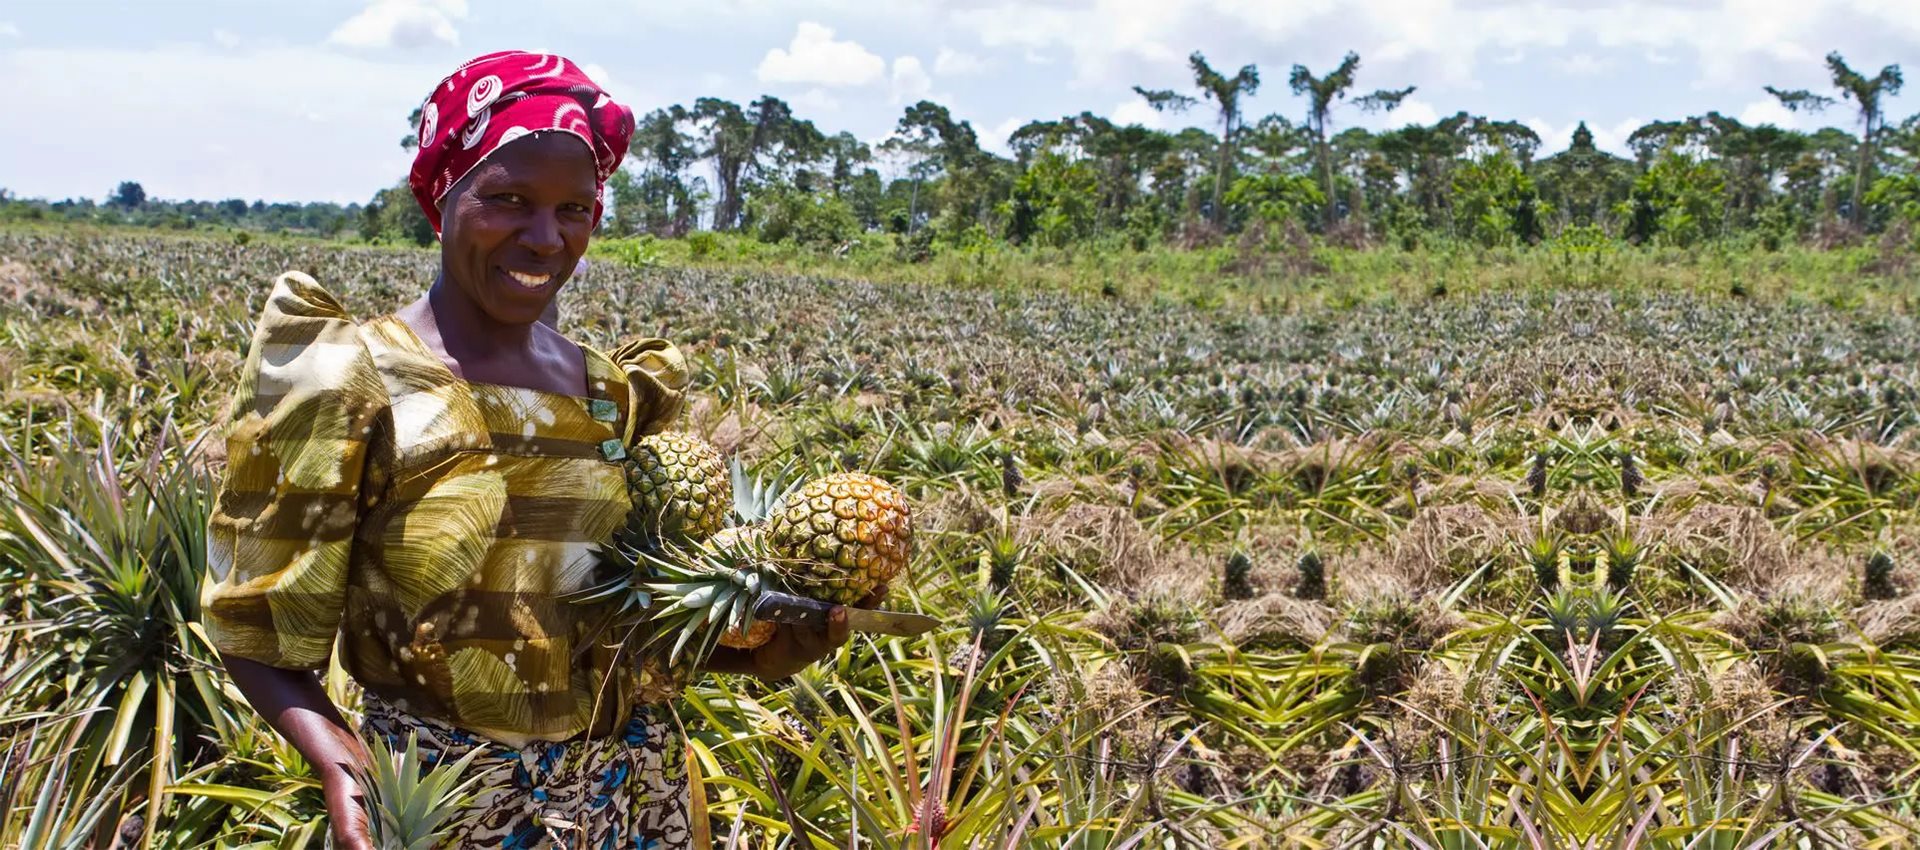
[{"x": 776, "y": 607}]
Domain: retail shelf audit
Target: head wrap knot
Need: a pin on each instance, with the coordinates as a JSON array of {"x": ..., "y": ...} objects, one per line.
[{"x": 499, "y": 97}]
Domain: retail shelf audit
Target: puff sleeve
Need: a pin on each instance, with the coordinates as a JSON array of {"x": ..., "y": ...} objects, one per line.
[
  {"x": 284, "y": 516},
  {"x": 657, "y": 377}
]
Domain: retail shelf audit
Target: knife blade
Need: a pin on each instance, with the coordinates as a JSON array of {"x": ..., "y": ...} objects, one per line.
[{"x": 776, "y": 607}]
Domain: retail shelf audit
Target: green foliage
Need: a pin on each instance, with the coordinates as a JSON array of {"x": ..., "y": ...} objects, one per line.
[
  {"x": 1496, "y": 204},
  {"x": 1275, "y": 198},
  {"x": 788, "y": 215},
  {"x": 1052, "y": 202},
  {"x": 394, "y": 216},
  {"x": 1677, "y": 202}
]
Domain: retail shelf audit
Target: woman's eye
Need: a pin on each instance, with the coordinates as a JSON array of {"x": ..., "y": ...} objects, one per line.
[{"x": 509, "y": 197}]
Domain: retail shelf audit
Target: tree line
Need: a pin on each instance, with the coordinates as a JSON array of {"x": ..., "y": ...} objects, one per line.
[
  {"x": 1085, "y": 178},
  {"x": 759, "y": 169}
]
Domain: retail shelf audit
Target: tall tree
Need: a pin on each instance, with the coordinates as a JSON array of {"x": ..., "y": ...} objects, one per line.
[
  {"x": 1866, "y": 94},
  {"x": 934, "y": 141},
  {"x": 1225, "y": 92},
  {"x": 663, "y": 152},
  {"x": 1321, "y": 93},
  {"x": 128, "y": 194}
]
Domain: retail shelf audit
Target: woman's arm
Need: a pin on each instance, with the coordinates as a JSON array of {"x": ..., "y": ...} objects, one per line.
[{"x": 296, "y": 706}]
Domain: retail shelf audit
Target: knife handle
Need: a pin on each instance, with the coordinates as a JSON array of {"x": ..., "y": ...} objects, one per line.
[{"x": 776, "y": 607}]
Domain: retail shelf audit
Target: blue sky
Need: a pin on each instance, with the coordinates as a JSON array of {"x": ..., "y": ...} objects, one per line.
[{"x": 307, "y": 101}]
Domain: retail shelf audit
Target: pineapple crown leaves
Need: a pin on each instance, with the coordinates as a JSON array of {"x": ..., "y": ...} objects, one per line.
[
  {"x": 755, "y": 496},
  {"x": 409, "y": 808},
  {"x": 701, "y": 591}
]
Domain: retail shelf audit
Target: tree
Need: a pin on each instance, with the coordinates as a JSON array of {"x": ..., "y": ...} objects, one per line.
[
  {"x": 735, "y": 140},
  {"x": 1225, "y": 92},
  {"x": 395, "y": 216},
  {"x": 128, "y": 195},
  {"x": 1497, "y": 201},
  {"x": 934, "y": 142},
  {"x": 1321, "y": 92},
  {"x": 1866, "y": 94},
  {"x": 660, "y": 200}
]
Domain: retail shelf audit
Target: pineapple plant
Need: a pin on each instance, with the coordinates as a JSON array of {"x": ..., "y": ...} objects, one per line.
[
  {"x": 409, "y": 805},
  {"x": 1001, "y": 559},
  {"x": 1878, "y": 580},
  {"x": 1623, "y": 556},
  {"x": 1546, "y": 554},
  {"x": 1237, "y": 582},
  {"x": 1313, "y": 576}
]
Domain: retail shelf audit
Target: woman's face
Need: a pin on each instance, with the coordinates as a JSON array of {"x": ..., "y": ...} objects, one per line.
[{"x": 513, "y": 228}]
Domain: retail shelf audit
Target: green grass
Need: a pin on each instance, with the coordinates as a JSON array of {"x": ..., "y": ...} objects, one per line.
[{"x": 1473, "y": 665}]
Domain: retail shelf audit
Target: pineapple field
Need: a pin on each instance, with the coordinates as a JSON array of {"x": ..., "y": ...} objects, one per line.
[{"x": 1579, "y": 546}]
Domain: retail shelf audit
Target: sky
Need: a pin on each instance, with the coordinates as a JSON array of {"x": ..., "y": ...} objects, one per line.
[{"x": 308, "y": 101}]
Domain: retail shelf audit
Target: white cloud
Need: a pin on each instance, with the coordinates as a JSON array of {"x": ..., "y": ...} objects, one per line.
[
  {"x": 1769, "y": 111},
  {"x": 9, "y": 30},
  {"x": 598, "y": 74},
  {"x": 346, "y": 131},
  {"x": 817, "y": 99},
  {"x": 957, "y": 63},
  {"x": 402, "y": 23},
  {"x": 1612, "y": 139},
  {"x": 226, "y": 39},
  {"x": 814, "y": 57},
  {"x": 1411, "y": 111},
  {"x": 1136, "y": 111},
  {"x": 910, "y": 80},
  {"x": 995, "y": 139}
]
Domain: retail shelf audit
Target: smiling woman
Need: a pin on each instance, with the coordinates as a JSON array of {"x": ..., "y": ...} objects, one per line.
[{"x": 423, "y": 489}]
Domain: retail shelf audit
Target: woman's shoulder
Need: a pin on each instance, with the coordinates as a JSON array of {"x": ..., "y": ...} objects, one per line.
[
  {"x": 296, "y": 295},
  {"x": 655, "y": 377},
  {"x": 306, "y": 343}
]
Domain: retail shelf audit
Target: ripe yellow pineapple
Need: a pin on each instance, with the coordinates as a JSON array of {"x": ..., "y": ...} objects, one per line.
[
  {"x": 679, "y": 486},
  {"x": 844, "y": 536}
]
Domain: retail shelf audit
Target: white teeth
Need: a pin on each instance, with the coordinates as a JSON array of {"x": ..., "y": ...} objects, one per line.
[{"x": 530, "y": 281}]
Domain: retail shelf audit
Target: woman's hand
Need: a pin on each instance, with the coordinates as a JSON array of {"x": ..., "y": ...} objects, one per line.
[
  {"x": 295, "y": 705},
  {"x": 792, "y": 647},
  {"x": 348, "y": 821}
]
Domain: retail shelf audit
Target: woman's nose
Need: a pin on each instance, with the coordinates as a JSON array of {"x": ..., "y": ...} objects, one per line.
[{"x": 542, "y": 233}]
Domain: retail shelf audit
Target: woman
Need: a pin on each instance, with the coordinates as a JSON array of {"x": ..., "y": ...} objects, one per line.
[{"x": 426, "y": 486}]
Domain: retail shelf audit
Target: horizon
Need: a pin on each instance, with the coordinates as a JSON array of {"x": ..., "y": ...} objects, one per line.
[{"x": 308, "y": 104}]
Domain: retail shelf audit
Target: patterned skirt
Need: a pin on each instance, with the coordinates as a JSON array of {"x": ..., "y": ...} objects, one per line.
[{"x": 626, "y": 791}]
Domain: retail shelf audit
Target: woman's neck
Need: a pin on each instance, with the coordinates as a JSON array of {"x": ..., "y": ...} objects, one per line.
[{"x": 464, "y": 332}]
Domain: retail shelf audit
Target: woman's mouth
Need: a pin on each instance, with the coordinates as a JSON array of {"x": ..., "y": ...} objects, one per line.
[{"x": 530, "y": 281}]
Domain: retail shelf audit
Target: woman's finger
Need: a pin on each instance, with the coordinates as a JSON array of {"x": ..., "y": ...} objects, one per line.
[{"x": 836, "y": 626}]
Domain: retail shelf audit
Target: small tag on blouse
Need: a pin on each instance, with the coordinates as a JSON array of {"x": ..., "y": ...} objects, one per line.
[
  {"x": 613, "y": 449},
  {"x": 603, "y": 410}
]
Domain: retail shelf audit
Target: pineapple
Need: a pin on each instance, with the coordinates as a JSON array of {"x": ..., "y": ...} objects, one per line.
[
  {"x": 679, "y": 486},
  {"x": 838, "y": 539},
  {"x": 847, "y": 535}
]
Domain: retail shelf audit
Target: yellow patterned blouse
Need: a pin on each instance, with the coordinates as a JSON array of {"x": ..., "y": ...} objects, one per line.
[{"x": 430, "y": 523}]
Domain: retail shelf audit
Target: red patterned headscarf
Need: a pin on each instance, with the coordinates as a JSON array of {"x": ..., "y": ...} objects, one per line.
[{"x": 500, "y": 97}]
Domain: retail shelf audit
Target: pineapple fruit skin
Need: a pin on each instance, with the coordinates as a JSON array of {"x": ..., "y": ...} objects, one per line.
[
  {"x": 846, "y": 535},
  {"x": 680, "y": 482},
  {"x": 754, "y": 637}
]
